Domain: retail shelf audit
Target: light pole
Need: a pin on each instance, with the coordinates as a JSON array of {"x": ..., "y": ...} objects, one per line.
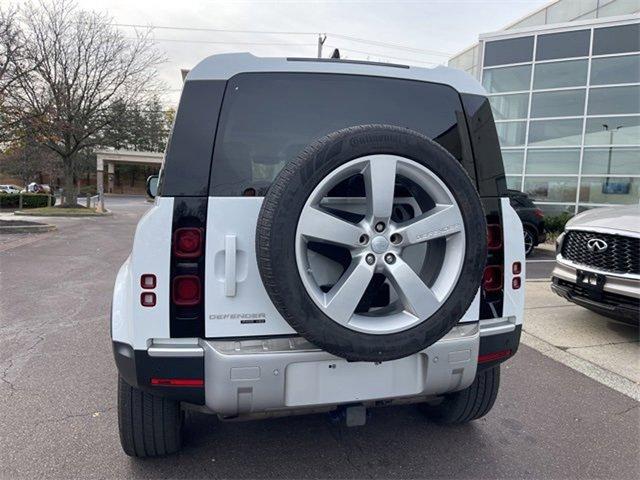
[
  {"x": 611, "y": 132},
  {"x": 321, "y": 40}
]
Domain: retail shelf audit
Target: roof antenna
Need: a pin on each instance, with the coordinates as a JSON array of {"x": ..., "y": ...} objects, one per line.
[{"x": 336, "y": 53}]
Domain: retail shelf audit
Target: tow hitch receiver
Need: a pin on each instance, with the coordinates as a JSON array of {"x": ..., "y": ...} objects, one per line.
[{"x": 353, "y": 415}]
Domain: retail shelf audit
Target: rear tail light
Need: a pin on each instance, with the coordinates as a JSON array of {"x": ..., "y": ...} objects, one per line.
[
  {"x": 538, "y": 213},
  {"x": 516, "y": 283},
  {"x": 516, "y": 268},
  {"x": 490, "y": 357},
  {"x": 492, "y": 278},
  {"x": 186, "y": 290},
  {"x": 187, "y": 242},
  {"x": 148, "y": 281},
  {"x": 177, "y": 382},
  {"x": 148, "y": 299},
  {"x": 494, "y": 237}
]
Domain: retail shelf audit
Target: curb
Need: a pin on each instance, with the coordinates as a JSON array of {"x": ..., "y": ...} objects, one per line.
[
  {"x": 24, "y": 213},
  {"x": 27, "y": 229},
  {"x": 595, "y": 372}
]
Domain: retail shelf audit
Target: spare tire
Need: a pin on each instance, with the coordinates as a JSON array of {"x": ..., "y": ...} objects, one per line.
[{"x": 372, "y": 242}]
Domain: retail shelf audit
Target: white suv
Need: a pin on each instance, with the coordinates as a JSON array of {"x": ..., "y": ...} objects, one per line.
[{"x": 327, "y": 234}]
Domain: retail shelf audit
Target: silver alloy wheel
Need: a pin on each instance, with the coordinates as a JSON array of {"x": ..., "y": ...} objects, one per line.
[
  {"x": 377, "y": 245},
  {"x": 528, "y": 242}
]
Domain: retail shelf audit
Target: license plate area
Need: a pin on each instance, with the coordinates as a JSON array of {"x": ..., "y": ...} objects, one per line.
[
  {"x": 592, "y": 282},
  {"x": 336, "y": 381}
]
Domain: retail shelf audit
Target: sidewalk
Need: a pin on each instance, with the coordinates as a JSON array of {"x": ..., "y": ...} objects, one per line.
[{"x": 600, "y": 348}]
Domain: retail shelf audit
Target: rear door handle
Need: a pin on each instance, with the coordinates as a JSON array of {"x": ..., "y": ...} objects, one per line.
[{"x": 230, "y": 265}]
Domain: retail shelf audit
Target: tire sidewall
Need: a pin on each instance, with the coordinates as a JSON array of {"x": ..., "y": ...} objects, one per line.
[{"x": 276, "y": 238}]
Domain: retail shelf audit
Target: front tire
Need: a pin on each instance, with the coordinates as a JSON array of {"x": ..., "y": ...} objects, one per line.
[
  {"x": 469, "y": 404},
  {"x": 529, "y": 241},
  {"x": 150, "y": 426}
]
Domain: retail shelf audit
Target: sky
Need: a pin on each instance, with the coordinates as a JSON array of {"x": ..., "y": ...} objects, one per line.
[{"x": 432, "y": 30}]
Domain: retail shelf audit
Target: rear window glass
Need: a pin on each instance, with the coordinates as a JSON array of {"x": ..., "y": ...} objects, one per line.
[{"x": 268, "y": 119}]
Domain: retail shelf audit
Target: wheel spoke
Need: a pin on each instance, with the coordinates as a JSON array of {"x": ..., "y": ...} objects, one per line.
[
  {"x": 318, "y": 225},
  {"x": 440, "y": 221},
  {"x": 414, "y": 293},
  {"x": 380, "y": 181},
  {"x": 341, "y": 301}
]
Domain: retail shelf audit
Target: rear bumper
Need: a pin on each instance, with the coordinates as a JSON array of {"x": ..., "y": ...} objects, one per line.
[{"x": 287, "y": 374}]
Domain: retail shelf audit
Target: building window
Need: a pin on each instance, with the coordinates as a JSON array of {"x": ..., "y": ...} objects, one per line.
[
  {"x": 611, "y": 161},
  {"x": 622, "y": 190},
  {"x": 620, "y": 39},
  {"x": 563, "y": 45},
  {"x": 555, "y": 132},
  {"x": 612, "y": 131},
  {"x": 511, "y": 134},
  {"x": 610, "y": 70},
  {"x": 511, "y": 106},
  {"x": 513, "y": 160},
  {"x": 560, "y": 74},
  {"x": 507, "y": 79},
  {"x": 514, "y": 182},
  {"x": 560, "y": 161},
  {"x": 563, "y": 103},
  {"x": 551, "y": 189},
  {"x": 611, "y": 100},
  {"x": 513, "y": 50}
]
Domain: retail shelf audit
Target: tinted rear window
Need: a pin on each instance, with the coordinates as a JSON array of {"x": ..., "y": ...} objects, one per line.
[{"x": 267, "y": 119}]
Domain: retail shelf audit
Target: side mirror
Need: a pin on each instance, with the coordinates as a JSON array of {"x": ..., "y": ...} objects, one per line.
[{"x": 152, "y": 186}]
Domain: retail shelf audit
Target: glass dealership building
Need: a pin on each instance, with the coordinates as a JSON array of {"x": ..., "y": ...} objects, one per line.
[{"x": 564, "y": 84}]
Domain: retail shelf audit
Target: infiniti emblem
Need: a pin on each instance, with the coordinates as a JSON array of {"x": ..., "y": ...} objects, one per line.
[{"x": 597, "y": 245}]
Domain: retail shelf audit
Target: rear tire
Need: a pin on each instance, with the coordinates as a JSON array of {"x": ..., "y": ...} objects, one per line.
[
  {"x": 469, "y": 404},
  {"x": 150, "y": 426}
]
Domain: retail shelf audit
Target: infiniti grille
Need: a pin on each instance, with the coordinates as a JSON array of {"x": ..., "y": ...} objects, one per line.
[{"x": 622, "y": 254}]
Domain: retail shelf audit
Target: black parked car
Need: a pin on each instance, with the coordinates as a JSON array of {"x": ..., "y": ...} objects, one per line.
[{"x": 532, "y": 219}]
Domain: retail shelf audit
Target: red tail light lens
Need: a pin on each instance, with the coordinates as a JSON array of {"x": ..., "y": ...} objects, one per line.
[
  {"x": 186, "y": 290},
  {"x": 516, "y": 268},
  {"x": 148, "y": 281},
  {"x": 490, "y": 357},
  {"x": 516, "y": 283},
  {"x": 494, "y": 237},
  {"x": 148, "y": 299},
  {"x": 492, "y": 278},
  {"x": 538, "y": 213},
  {"x": 177, "y": 382},
  {"x": 187, "y": 242}
]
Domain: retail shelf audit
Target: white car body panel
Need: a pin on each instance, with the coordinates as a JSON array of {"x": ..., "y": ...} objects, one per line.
[
  {"x": 226, "y": 315},
  {"x": 513, "y": 303},
  {"x": 131, "y": 323},
  {"x": 625, "y": 220},
  {"x": 225, "y": 66}
]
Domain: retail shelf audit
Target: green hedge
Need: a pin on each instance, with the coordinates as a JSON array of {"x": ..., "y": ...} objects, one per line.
[
  {"x": 29, "y": 200},
  {"x": 555, "y": 223}
]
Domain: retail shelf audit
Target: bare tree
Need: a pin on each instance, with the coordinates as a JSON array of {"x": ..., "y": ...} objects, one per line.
[
  {"x": 28, "y": 160},
  {"x": 12, "y": 64},
  {"x": 79, "y": 65}
]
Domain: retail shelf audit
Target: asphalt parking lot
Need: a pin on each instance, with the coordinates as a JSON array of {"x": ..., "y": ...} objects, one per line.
[{"x": 569, "y": 412}]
